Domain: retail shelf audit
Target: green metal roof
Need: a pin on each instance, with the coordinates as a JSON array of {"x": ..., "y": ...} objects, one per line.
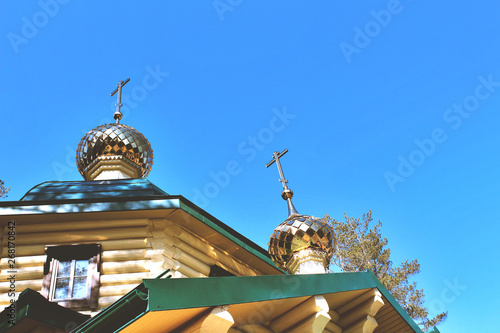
[
  {"x": 114, "y": 196},
  {"x": 32, "y": 305},
  {"x": 96, "y": 189},
  {"x": 201, "y": 292},
  {"x": 174, "y": 294}
]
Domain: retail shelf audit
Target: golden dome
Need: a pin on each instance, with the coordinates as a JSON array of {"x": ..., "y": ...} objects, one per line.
[
  {"x": 114, "y": 141},
  {"x": 300, "y": 232}
]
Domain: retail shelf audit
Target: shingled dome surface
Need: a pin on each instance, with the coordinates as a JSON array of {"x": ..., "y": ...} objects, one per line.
[
  {"x": 297, "y": 233},
  {"x": 114, "y": 140}
]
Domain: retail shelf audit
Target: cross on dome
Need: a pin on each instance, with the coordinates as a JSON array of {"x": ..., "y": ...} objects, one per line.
[
  {"x": 114, "y": 151},
  {"x": 301, "y": 244},
  {"x": 276, "y": 158},
  {"x": 118, "y": 114},
  {"x": 287, "y": 194}
]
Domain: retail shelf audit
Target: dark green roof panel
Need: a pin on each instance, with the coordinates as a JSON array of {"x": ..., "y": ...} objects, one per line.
[
  {"x": 30, "y": 304},
  {"x": 173, "y": 294},
  {"x": 96, "y": 189}
]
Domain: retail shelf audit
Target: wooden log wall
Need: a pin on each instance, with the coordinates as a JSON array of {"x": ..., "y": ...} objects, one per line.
[{"x": 132, "y": 250}]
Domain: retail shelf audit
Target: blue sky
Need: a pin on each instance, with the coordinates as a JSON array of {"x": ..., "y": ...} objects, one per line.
[{"x": 391, "y": 106}]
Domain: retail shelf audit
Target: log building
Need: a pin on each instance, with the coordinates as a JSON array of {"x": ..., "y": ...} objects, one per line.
[{"x": 114, "y": 253}]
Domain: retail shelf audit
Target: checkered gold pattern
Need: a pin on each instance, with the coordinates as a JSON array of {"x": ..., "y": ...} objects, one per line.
[
  {"x": 115, "y": 140},
  {"x": 297, "y": 233}
]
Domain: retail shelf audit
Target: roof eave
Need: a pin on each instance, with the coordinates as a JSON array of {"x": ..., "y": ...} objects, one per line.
[
  {"x": 177, "y": 294},
  {"x": 13, "y": 209}
]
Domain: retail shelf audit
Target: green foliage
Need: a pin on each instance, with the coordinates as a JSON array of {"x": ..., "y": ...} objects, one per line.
[
  {"x": 360, "y": 247},
  {"x": 3, "y": 190}
]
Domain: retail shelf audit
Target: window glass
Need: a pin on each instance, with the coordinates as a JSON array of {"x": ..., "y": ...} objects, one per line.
[
  {"x": 81, "y": 267},
  {"x": 62, "y": 288},
  {"x": 64, "y": 268},
  {"x": 80, "y": 287},
  {"x": 71, "y": 279}
]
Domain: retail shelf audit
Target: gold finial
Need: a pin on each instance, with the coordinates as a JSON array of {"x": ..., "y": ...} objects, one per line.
[
  {"x": 287, "y": 194},
  {"x": 118, "y": 114}
]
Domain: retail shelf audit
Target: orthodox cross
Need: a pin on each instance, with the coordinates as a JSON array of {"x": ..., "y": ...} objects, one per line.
[
  {"x": 287, "y": 194},
  {"x": 118, "y": 114},
  {"x": 276, "y": 158}
]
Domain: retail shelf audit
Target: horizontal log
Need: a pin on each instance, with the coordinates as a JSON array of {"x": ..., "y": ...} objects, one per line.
[
  {"x": 176, "y": 242},
  {"x": 22, "y": 262},
  {"x": 26, "y": 273},
  {"x": 184, "y": 269},
  {"x": 122, "y": 255},
  {"x": 118, "y": 290},
  {"x": 26, "y": 250},
  {"x": 5, "y": 298},
  {"x": 334, "y": 315},
  {"x": 366, "y": 325},
  {"x": 4, "y": 305},
  {"x": 177, "y": 275},
  {"x": 107, "y": 301},
  {"x": 129, "y": 278},
  {"x": 133, "y": 266},
  {"x": 233, "y": 264},
  {"x": 185, "y": 236},
  {"x": 332, "y": 327},
  {"x": 220, "y": 256},
  {"x": 155, "y": 268},
  {"x": 314, "y": 323},
  {"x": 81, "y": 236},
  {"x": 39, "y": 249},
  {"x": 123, "y": 244},
  {"x": 21, "y": 285},
  {"x": 78, "y": 225},
  {"x": 225, "y": 260},
  {"x": 183, "y": 257},
  {"x": 205, "y": 258},
  {"x": 250, "y": 328},
  {"x": 369, "y": 307},
  {"x": 217, "y": 320},
  {"x": 299, "y": 313},
  {"x": 358, "y": 300}
]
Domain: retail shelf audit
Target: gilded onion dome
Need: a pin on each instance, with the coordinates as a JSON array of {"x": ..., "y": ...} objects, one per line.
[
  {"x": 297, "y": 233},
  {"x": 113, "y": 151},
  {"x": 114, "y": 141},
  {"x": 300, "y": 237}
]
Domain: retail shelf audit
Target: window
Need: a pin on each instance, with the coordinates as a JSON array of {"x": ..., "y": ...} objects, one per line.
[{"x": 71, "y": 275}]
